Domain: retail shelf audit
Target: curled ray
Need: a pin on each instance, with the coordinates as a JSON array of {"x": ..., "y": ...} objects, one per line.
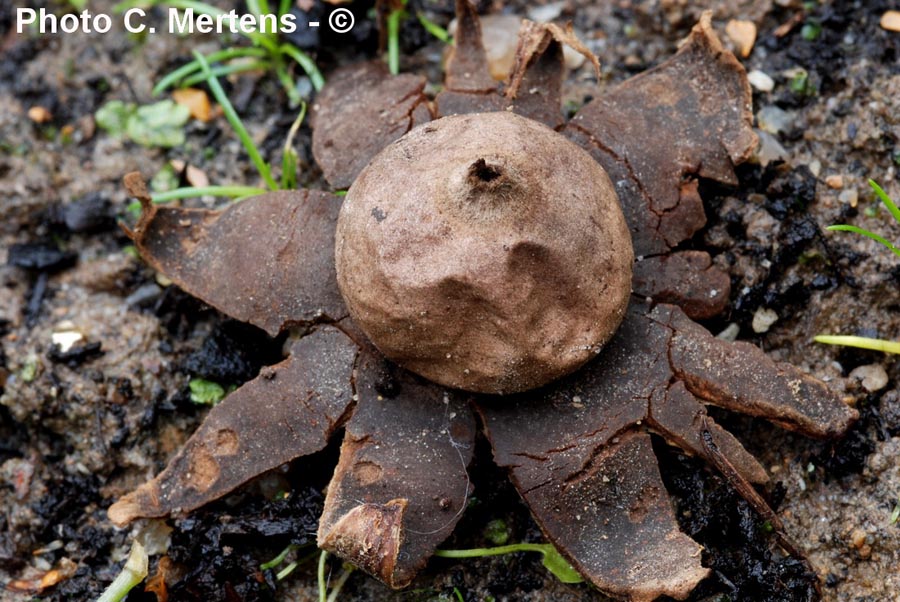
[
  {"x": 362, "y": 109},
  {"x": 535, "y": 83},
  {"x": 401, "y": 483},
  {"x": 267, "y": 260},
  {"x": 289, "y": 410}
]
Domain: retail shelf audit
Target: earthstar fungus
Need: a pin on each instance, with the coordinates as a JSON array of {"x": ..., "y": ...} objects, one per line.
[
  {"x": 577, "y": 449},
  {"x": 485, "y": 252}
]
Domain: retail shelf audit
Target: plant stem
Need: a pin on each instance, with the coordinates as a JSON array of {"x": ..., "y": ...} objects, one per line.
[
  {"x": 306, "y": 63},
  {"x": 261, "y": 166},
  {"x": 478, "y": 552},
  {"x": 134, "y": 571},
  {"x": 339, "y": 584},
  {"x": 321, "y": 577}
]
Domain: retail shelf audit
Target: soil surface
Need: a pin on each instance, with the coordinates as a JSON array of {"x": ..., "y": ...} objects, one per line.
[{"x": 83, "y": 422}]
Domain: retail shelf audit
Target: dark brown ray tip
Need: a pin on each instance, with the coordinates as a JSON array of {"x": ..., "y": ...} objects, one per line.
[
  {"x": 289, "y": 410},
  {"x": 401, "y": 483}
]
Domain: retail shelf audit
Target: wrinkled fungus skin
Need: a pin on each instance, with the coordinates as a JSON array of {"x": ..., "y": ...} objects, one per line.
[{"x": 485, "y": 252}]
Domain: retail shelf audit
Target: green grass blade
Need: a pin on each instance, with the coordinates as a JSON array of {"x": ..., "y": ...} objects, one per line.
[
  {"x": 433, "y": 28},
  {"x": 278, "y": 559},
  {"x": 284, "y": 8},
  {"x": 393, "y": 40},
  {"x": 261, "y": 166},
  {"x": 289, "y": 158},
  {"x": 254, "y": 8},
  {"x": 198, "y": 7},
  {"x": 859, "y": 342},
  {"x": 225, "y": 70},
  {"x": 290, "y": 87},
  {"x": 192, "y": 67},
  {"x": 193, "y": 191},
  {"x": 306, "y": 63},
  {"x": 866, "y": 233},
  {"x": 320, "y": 573},
  {"x": 879, "y": 191}
]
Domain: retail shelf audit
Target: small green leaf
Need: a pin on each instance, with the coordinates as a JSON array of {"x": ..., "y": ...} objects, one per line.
[
  {"x": 433, "y": 28},
  {"x": 29, "y": 370},
  {"x": 800, "y": 83},
  {"x": 811, "y": 31},
  {"x": 560, "y": 567},
  {"x": 164, "y": 180},
  {"x": 160, "y": 124},
  {"x": 113, "y": 117},
  {"x": 206, "y": 392},
  {"x": 497, "y": 532},
  {"x": 895, "y": 515}
]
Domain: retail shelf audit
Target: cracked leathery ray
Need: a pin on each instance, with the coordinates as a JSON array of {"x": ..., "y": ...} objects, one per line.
[
  {"x": 361, "y": 110},
  {"x": 401, "y": 483},
  {"x": 697, "y": 105},
  {"x": 277, "y": 276},
  {"x": 579, "y": 452},
  {"x": 289, "y": 410}
]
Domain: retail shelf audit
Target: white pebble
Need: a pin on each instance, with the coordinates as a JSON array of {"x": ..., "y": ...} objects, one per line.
[
  {"x": 873, "y": 377},
  {"x": 763, "y": 320},
  {"x": 761, "y": 81}
]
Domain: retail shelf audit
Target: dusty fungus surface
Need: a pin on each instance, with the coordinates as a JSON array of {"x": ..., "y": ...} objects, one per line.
[{"x": 578, "y": 450}]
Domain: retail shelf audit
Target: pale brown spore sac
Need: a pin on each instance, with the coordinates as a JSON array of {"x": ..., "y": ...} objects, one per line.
[{"x": 485, "y": 252}]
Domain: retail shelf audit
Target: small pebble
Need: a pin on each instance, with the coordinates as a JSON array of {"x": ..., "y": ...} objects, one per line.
[
  {"x": 873, "y": 377},
  {"x": 66, "y": 339},
  {"x": 857, "y": 538},
  {"x": 769, "y": 149},
  {"x": 761, "y": 81},
  {"x": 547, "y": 12},
  {"x": 730, "y": 333},
  {"x": 500, "y": 36},
  {"x": 849, "y": 196},
  {"x": 763, "y": 320},
  {"x": 39, "y": 115},
  {"x": 835, "y": 181},
  {"x": 743, "y": 34},
  {"x": 815, "y": 167},
  {"x": 194, "y": 175},
  {"x": 773, "y": 119},
  {"x": 890, "y": 20}
]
